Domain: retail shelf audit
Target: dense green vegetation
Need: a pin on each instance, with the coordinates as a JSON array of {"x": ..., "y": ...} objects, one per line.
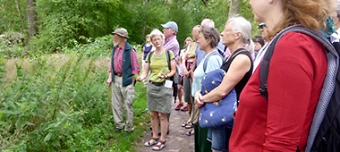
[
  {"x": 58, "y": 102},
  {"x": 53, "y": 95},
  {"x": 64, "y": 23}
]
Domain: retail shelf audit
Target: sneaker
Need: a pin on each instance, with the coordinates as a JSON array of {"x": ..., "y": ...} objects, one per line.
[
  {"x": 185, "y": 108},
  {"x": 179, "y": 106}
]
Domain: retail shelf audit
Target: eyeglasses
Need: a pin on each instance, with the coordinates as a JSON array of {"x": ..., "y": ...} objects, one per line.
[{"x": 262, "y": 25}]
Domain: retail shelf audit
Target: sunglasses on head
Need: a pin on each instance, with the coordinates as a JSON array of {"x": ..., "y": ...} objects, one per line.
[{"x": 262, "y": 25}]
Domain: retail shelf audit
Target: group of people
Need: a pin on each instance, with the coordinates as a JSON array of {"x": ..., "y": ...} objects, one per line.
[{"x": 279, "y": 121}]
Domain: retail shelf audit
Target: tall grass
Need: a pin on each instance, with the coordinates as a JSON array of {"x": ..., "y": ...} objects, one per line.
[{"x": 58, "y": 103}]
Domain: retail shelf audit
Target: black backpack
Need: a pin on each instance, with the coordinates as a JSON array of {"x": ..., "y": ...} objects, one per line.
[
  {"x": 324, "y": 133},
  {"x": 168, "y": 60}
]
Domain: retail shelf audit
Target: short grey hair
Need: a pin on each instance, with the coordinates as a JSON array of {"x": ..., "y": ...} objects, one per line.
[
  {"x": 156, "y": 32},
  {"x": 208, "y": 23},
  {"x": 211, "y": 34},
  {"x": 240, "y": 24}
]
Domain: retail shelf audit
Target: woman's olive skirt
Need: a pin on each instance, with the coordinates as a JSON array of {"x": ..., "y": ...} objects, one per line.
[{"x": 159, "y": 98}]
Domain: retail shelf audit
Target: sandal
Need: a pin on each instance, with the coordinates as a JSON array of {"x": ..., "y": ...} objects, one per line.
[
  {"x": 188, "y": 126},
  {"x": 151, "y": 142},
  {"x": 159, "y": 146},
  {"x": 184, "y": 124},
  {"x": 190, "y": 133}
]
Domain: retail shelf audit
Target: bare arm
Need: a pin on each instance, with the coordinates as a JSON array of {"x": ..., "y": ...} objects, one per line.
[
  {"x": 173, "y": 68},
  {"x": 143, "y": 53},
  {"x": 145, "y": 72},
  {"x": 238, "y": 68},
  {"x": 185, "y": 70}
]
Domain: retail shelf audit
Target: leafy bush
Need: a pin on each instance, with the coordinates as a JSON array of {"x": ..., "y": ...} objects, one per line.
[
  {"x": 63, "y": 22},
  {"x": 99, "y": 47},
  {"x": 59, "y": 104}
]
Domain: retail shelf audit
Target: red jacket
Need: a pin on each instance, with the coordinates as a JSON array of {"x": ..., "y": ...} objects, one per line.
[{"x": 296, "y": 74}]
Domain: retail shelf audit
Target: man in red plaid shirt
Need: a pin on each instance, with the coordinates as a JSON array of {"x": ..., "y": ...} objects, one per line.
[{"x": 123, "y": 66}]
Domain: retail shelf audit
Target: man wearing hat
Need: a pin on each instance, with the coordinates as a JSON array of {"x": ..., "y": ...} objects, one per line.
[
  {"x": 263, "y": 50},
  {"x": 170, "y": 30},
  {"x": 124, "y": 65}
]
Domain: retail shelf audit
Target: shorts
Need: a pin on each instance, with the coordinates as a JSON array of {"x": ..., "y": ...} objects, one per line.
[
  {"x": 180, "y": 80},
  {"x": 187, "y": 82},
  {"x": 219, "y": 138}
]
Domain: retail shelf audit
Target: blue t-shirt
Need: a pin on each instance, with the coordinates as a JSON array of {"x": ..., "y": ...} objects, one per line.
[
  {"x": 147, "y": 49},
  {"x": 199, "y": 55},
  {"x": 215, "y": 62}
]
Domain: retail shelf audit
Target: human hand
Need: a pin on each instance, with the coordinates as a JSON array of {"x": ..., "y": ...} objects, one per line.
[
  {"x": 140, "y": 78},
  {"x": 162, "y": 75},
  {"x": 199, "y": 99},
  {"x": 191, "y": 74},
  {"x": 186, "y": 72},
  {"x": 109, "y": 81}
]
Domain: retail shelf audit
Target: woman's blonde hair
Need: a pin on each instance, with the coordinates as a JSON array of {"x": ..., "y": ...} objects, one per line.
[
  {"x": 188, "y": 39},
  {"x": 156, "y": 32},
  {"x": 310, "y": 14}
]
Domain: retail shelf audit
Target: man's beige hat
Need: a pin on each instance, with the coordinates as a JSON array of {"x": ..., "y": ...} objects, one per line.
[{"x": 121, "y": 32}]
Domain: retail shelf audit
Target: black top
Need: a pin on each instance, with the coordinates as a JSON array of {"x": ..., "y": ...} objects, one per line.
[{"x": 225, "y": 66}]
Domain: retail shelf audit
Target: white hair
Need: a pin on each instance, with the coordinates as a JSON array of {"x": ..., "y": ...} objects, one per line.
[
  {"x": 156, "y": 32},
  {"x": 240, "y": 24},
  {"x": 208, "y": 23}
]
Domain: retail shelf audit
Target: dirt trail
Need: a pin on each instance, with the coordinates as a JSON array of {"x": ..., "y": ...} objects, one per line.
[{"x": 176, "y": 141}]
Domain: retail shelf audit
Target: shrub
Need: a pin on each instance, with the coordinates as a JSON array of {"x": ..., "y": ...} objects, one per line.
[{"x": 59, "y": 105}]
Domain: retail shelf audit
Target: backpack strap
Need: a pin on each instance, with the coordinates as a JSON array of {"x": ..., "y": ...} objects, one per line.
[
  {"x": 264, "y": 67},
  {"x": 149, "y": 56},
  {"x": 205, "y": 63},
  {"x": 168, "y": 59},
  {"x": 328, "y": 86}
]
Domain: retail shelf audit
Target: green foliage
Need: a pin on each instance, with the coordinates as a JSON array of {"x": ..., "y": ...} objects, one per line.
[
  {"x": 182, "y": 18},
  {"x": 58, "y": 103},
  {"x": 13, "y": 16},
  {"x": 216, "y": 10},
  {"x": 145, "y": 16},
  {"x": 99, "y": 47},
  {"x": 63, "y": 22},
  {"x": 66, "y": 23}
]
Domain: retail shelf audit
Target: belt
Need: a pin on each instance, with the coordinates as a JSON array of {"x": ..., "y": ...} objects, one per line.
[
  {"x": 157, "y": 83},
  {"x": 118, "y": 74}
]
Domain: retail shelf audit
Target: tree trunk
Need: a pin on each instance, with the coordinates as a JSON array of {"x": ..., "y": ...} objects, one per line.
[
  {"x": 234, "y": 8},
  {"x": 17, "y": 3},
  {"x": 31, "y": 18}
]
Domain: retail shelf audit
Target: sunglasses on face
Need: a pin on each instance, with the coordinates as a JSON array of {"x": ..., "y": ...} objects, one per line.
[{"x": 261, "y": 26}]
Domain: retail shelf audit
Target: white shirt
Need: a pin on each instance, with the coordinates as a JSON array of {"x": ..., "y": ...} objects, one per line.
[{"x": 260, "y": 55}]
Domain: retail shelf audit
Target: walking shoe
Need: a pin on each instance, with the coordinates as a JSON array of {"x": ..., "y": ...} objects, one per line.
[
  {"x": 179, "y": 106},
  {"x": 117, "y": 130},
  {"x": 185, "y": 108},
  {"x": 128, "y": 132}
]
